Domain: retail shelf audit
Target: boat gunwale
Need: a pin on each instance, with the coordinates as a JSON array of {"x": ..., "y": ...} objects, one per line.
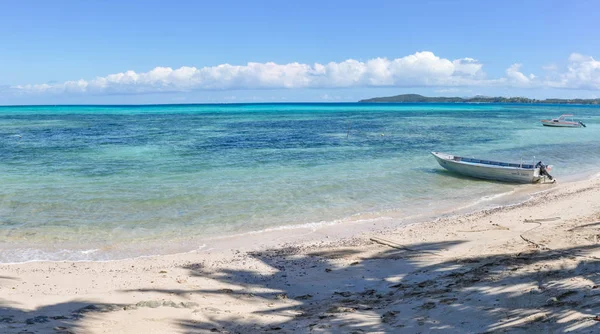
[{"x": 490, "y": 164}]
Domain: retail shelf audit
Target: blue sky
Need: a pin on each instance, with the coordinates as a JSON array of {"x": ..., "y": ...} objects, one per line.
[{"x": 458, "y": 48}]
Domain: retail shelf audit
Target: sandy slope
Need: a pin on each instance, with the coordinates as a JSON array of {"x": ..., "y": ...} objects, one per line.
[{"x": 533, "y": 267}]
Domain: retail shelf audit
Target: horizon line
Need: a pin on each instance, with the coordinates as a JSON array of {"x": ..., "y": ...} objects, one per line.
[{"x": 320, "y": 102}]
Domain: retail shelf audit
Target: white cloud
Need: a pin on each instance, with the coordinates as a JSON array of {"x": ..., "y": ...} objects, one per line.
[
  {"x": 583, "y": 72},
  {"x": 516, "y": 77},
  {"x": 421, "y": 69}
]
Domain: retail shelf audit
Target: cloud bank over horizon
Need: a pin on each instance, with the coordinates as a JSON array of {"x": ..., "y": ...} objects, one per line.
[{"x": 421, "y": 69}]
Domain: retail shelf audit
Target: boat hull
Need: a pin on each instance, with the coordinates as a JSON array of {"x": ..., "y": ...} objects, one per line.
[
  {"x": 561, "y": 125},
  {"x": 487, "y": 172}
]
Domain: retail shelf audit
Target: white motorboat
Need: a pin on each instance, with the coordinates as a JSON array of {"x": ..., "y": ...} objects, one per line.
[
  {"x": 564, "y": 121},
  {"x": 494, "y": 170}
]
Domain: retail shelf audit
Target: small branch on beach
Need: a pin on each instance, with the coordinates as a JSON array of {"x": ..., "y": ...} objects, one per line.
[
  {"x": 541, "y": 220},
  {"x": 398, "y": 246},
  {"x": 591, "y": 225},
  {"x": 499, "y": 228},
  {"x": 539, "y": 223},
  {"x": 534, "y": 243},
  {"x": 558, "y": 251},
  {"x": 544, "y": 247}
]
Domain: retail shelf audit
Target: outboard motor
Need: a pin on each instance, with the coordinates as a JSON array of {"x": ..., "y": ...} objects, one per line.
[
  {"x": 543, "y": 170},
  {"x": 580, "y": 122}
]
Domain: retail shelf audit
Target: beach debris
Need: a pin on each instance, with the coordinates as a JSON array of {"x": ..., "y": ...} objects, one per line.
[
  {"x": 225, "y": 291},
  {"x": 327, "y": 270},
  {"x": 468, "y": 260},
  {"x": 566, "y": 294},
  {"x": 389, "y": 317},
  {"x": 424, "y": 284},
  {"x": 150, "y": 304},
  {"x": 498, "y": 228},
  {"x": 541, "y": 220},
  {"x": 428, "y": 305},
  {"x": 368, "y": 292},
  {"x": 304, "y": 297},
  {"x": 534, "y": 243},
  {"x": 39, "y": 320},
  {"x": 341, "y": 309},
  {"x": 343, "y": 293},
  {"x": 211, "y": 309},
  {"x": 162, "y": 272},
  {"x": 7, "y": 320},
  {"x": 281, "y": 296},
  {"x": 448, "y": 301},
  {"x": 126, "y": 307}
]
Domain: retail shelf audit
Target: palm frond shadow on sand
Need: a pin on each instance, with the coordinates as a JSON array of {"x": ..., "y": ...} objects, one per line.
[{"x": 395, "y": 290}]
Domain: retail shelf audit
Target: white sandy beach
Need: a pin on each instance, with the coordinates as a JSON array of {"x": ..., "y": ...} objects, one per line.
[{"x": 531, "y": 267}]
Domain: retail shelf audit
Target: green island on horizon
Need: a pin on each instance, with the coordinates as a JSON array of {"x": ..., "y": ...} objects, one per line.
[{"x": 416, "y": 98}]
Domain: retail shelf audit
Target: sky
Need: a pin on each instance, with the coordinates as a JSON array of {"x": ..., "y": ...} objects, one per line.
[{"x": 139, "y": 52}]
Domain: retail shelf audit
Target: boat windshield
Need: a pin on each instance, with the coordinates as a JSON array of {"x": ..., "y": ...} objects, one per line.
[{"x": 566, "y": 118}]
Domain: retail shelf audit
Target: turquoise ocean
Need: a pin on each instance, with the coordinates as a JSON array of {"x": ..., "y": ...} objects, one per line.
[{"x": 92, "y": 182}]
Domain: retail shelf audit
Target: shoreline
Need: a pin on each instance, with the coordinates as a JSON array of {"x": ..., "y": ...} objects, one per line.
[
  {"x": 357, "y": 224},
  {"x": 529, "y": 266}
]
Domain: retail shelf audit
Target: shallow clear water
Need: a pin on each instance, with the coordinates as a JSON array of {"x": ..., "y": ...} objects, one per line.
[{"x": 85, "y": 182}]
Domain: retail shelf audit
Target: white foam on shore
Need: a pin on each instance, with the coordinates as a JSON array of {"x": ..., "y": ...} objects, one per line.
[
  {"x": 26, "y": 255},
  {"x": 75, "y": 255},
  {"x": 485, "y": 199},
  {"x": 313, "y": 227}
]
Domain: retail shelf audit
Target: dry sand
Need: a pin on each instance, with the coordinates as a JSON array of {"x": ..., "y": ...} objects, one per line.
[{"x": 532, "y": 267}]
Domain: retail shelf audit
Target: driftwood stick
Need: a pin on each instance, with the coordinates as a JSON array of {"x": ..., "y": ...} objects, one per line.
[
  {"x": 534, "y": 243},
  {"x": 541, "y": 220},
  {"x": 544, "y": 247},
  {"x": 499, "y": 228}
]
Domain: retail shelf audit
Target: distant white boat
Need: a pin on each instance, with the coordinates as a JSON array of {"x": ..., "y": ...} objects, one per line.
[
  {"x": 494, "y": 170},
  {"x": 564, "y": 121}
]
